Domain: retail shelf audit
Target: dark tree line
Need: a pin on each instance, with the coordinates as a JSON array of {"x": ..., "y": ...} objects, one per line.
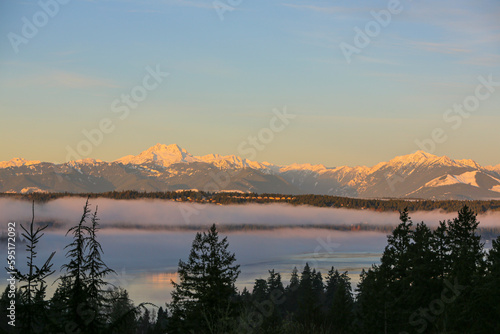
[
  {"x": 83, "y": 301},
  {"x": 439, "y": 281},
  {"x": 394, "y": 204},
  {"x": 428, "y": 281}
]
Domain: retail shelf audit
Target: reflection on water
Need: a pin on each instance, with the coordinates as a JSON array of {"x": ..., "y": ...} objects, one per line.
[
  {"x": 156, "y": 287},
  {"x": 163, "y": 279}
]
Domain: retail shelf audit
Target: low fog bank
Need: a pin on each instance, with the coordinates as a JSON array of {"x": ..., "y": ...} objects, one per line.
[{"x": 161, "y": 213}]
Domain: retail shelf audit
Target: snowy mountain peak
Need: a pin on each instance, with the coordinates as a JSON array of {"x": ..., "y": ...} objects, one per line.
[
  {"x": 469, "y": 163},
  {"x": 166, "y": 155},
  {"x": 469, "y": 178},
  {"x": 161, "y": 149},
  {"x": 418, "y": 156},
  {"x": 304, "y": 167},
  {"x": 493, "y": 168},
  {"x": 402, "y": 161},
  {"x": 160, "y": 154},
  {"x": 423, "y": 158},
  {"x": 17, "y": 162},
  {"x": 422, "y": 154}
]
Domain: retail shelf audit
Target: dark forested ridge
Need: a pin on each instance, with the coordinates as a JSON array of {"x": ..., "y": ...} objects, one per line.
[
  {"x": 428, "y": 281},
  {"x": 243, "y": 198}
]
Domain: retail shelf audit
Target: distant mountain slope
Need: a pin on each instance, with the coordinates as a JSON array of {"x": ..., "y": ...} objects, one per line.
[{"x": 170, "y": 167}]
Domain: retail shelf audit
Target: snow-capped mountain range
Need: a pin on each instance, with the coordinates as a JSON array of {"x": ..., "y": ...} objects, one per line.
[
  {"x": 167, "y": 155},
  {"x": 170, "y": 167}
]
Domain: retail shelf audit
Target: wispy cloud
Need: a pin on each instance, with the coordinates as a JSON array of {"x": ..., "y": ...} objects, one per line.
[
  {"x": 156, "y": 3},
  {"x": 210, "y": 67},
  {"x": 181, "y": 3},
  {"x": 377, "y": 60},
  {"x": 63, "y": 79},
  {"x": 148, "y": 11},
  {"x": 439, "y": 47},
  {"x": 65, "y": 53},
  {"x": 321, "y": 9},
  {"x": 482, "y": 60},
  {"x": 187, "y": 3},
  {"x": 464, "y": 19}
]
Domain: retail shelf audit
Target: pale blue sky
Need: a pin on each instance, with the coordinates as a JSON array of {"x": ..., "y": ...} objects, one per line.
[{"x": 226, "y": 77}]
